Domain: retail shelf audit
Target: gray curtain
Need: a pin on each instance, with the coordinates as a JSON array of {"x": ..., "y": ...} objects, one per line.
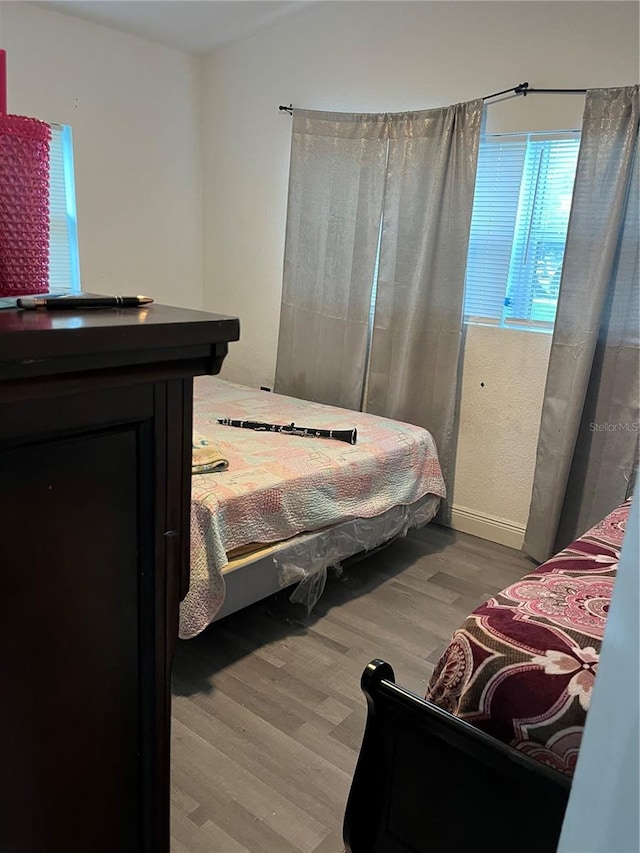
[
  {"x": 396, "y": 189},
  {"x": 416, "y": 342},
  {"x": 336, "y": 188},
  {"x": 588, "y": 443}
]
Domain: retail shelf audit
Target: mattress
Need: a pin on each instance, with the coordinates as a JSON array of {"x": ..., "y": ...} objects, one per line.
[
  {"x": 278, "y": 486},
  {"x": 523, "y": 665},
  {"x": 303, "y": 560}
]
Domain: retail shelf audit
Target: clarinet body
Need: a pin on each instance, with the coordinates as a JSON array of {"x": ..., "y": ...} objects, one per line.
[{"x": 348, "y": 435}]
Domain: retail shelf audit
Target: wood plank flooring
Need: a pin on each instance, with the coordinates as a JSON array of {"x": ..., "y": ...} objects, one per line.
[{"x": 268, "y": 714}]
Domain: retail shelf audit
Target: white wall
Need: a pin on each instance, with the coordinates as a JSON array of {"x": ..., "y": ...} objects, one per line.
[
  {"x": 503, "y": 378},
  {"x": 135, "y": 110},
  {"x": 392, "y": 56},
  {"x": 602, "y": 815}
]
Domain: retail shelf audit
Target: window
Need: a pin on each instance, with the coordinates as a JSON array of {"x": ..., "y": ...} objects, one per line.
[
  {"x": 521, "y": 206},
  {"x": 64, "y": 265}
]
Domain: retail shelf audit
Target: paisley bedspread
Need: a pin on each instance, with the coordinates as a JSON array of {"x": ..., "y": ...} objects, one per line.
[{"x": 522, "y": 666}]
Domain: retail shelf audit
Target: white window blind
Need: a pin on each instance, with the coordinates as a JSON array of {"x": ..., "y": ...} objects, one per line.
[
  {"x": 521, "y": 207},
  {"x": 64, "y": 266},
  {"x": 493, "y": 222}
]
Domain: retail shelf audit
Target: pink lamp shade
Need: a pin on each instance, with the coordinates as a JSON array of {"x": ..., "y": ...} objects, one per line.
[{"x": 24, "y": 200}]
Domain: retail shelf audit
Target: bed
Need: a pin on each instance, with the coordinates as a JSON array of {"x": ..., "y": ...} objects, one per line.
[
  {"x": 505, "y": 707},
  {"x": 522, "y": 666},
  {"x": 288, "y": 507}
]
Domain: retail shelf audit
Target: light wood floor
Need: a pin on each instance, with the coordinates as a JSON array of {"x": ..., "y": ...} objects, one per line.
[{"x": 267, "y": 710}]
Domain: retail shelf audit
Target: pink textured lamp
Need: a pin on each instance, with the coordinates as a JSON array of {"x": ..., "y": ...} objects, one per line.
[{"x": 24, "y": 199}]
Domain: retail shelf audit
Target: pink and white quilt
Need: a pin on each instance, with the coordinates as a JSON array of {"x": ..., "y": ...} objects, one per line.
[{"x": 277, "y": 485}]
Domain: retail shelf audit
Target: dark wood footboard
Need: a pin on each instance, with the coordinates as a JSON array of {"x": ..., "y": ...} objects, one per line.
[{"x": 428, "y": 782}]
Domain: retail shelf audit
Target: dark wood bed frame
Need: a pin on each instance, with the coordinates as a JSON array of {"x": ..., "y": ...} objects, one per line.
[{"x": 428, "y": 782}]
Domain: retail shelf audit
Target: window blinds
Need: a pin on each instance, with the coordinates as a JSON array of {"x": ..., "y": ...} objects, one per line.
[
  {"x": 493, "y": 221},
  {"x": 519, "y": 224},
  {"x": 64, "y": 270},
  {"x": 541, "y": 229}
]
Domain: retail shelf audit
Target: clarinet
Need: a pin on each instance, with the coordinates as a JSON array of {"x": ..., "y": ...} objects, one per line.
[{"x": 348, "y": 435}]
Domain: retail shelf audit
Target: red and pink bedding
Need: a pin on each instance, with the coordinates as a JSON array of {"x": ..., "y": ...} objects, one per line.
[{"x": 522, "y": 666}]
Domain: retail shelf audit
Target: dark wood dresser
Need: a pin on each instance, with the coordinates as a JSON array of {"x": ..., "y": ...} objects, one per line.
[{"x": 95, "y": 469}]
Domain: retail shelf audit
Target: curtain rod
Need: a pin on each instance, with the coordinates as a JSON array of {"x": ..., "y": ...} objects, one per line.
[
  {"x": 523, "y": 89},
  {"x": 520, "y": 89}
]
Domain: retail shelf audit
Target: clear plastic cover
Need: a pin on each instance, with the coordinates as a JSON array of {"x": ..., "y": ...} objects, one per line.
[{"x": 307, "y": 558}]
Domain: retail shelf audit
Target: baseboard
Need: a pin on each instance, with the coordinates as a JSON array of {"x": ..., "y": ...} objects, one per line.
[{"x": 487, "y": 527}]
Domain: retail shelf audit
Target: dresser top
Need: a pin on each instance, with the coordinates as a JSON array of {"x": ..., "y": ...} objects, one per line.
[{"x": 43, "y": 342}]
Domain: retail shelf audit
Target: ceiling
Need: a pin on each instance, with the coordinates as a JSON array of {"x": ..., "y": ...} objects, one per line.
[{"x": 196, "y": 26}]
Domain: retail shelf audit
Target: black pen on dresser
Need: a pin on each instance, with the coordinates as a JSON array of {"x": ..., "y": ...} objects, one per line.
[{"x": 66, "y": 303}]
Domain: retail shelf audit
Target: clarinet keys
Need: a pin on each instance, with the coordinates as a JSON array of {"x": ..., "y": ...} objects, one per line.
[{"x": 348, "y": 435}]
